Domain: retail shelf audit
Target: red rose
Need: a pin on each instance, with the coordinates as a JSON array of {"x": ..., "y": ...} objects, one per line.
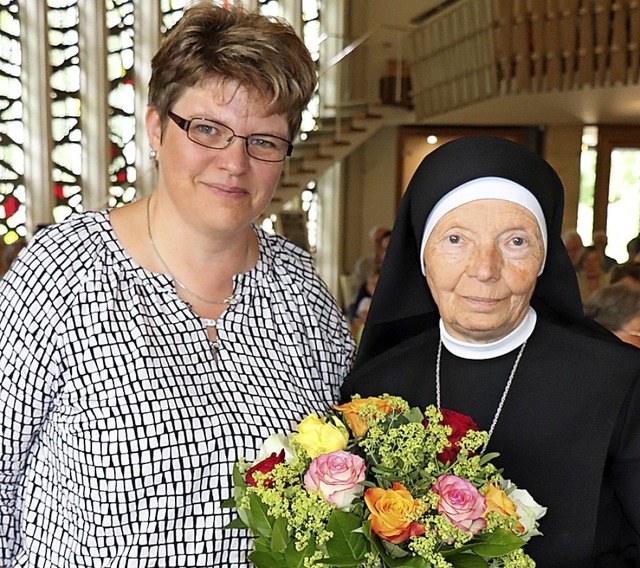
[
  {"x": 264, "y": 466},
  {"x": 460, "y": 424}
]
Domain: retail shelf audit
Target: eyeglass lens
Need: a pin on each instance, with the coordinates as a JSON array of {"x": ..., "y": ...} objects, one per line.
[{"x": 218, "y": 136}]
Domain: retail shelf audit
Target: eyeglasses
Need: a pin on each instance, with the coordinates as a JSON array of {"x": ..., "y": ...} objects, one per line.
[{"x": 217, "y": 136}]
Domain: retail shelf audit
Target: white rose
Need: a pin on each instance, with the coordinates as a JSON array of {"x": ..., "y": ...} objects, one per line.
[
  {"x": 274, "y": 444},
  {"x": 528, "y": 510}
]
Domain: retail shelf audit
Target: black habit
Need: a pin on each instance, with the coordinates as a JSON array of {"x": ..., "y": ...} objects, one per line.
[{"x": 569, "y": 432}]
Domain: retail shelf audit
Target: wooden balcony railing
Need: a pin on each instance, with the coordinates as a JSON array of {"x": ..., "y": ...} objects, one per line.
[{"x": 479, "y": 49}]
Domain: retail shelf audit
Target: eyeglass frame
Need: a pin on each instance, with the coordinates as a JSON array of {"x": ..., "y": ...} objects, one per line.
[{"x": 185, "y": 124}]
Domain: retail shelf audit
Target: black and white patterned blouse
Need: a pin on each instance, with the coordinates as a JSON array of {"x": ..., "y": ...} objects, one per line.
[{"x": 119, "y": 427}]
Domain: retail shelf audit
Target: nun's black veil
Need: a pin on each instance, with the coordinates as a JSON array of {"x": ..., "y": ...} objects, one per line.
[{"x": 402, "y": 305}]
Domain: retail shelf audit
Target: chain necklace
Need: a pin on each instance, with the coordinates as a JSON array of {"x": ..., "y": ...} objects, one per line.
[
  {"x": 502, "y": 399},
  {"x": 227, "y": 301}
]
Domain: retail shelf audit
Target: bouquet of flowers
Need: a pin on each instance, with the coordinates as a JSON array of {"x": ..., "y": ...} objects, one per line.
[{"x": 378, "y": 484}]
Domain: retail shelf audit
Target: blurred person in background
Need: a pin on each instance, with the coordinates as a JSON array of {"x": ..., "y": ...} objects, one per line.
[
  {"x": 370, "y": 262},
  {"x": 590, "y": 275},
  {"x": 617, "y": 307},
  {"x": 574, "y": 245},
  {"x": 628, "y": 273},
  {"x": 600, "y": 241}
]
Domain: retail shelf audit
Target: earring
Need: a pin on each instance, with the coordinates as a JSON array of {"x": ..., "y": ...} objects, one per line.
[{"x": 152, "y": 154}]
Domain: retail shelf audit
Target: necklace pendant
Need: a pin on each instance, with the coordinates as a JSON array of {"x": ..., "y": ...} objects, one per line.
[{"x": 215, "y": 346}]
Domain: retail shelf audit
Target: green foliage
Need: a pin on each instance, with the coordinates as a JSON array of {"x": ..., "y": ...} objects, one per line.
[{"x": 296, "y": 528}]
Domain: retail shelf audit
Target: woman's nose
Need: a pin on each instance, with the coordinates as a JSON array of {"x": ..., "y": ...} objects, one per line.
[
  {"x": 234, "y": 158},
  {"x": 485, "y": 262}
]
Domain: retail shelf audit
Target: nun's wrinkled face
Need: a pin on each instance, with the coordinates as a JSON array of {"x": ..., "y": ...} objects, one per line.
[{"x": 482, "y": 261}]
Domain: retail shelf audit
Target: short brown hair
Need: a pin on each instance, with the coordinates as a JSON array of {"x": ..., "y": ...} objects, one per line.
[{"x": 260, "y": 53}]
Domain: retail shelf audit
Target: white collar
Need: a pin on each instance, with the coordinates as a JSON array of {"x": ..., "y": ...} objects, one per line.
[{"x": 494, "y": 349}]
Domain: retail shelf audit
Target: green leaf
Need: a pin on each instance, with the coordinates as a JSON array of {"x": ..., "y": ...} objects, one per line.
[
  {"x": 229, "y": 503},
  {"x": 239, "y": 481},
  {"x": 414, "y": 415},
  {"x": 403, "y": 561},
  {"x": 407, "y": 562},
  {"x": 345, "y": 544},
  {"x": 262, "y": 544},
  {"x": 295, "y": 558},
  {"x": 416, "y": 562},
  {"x": 341, "y": 562},
  {"x": 394, "y": 550},
  {"x": 279, "y": 535},
  {"x": 237, "y": 523},
  {"x": 486, "y": 458},
  {"x": 262, "y": 559},
  {"x": 467, "y": 561},
  {"x": 239, "y": 491},
  {"x": 260, "y": 521},
  {"x": 498, "y": 543}
]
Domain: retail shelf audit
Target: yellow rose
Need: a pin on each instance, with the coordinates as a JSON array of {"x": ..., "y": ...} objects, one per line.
[
  {"x": 351, "y": 412},
  {"x": 497, "y": 500},
  {"x": 318, "y": 436},
  {"x": 391, "y": 511}
]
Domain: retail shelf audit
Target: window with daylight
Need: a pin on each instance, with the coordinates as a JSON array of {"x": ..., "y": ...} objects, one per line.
[
  {"x": 64, "y": 84},
  {"x": 122, "y": 121},
  {"x": 12, "y": 184},
  {"x": 171, "y": 13},
  {"x": 310, "y": 30},
  {"x": 312, "y": 35}
]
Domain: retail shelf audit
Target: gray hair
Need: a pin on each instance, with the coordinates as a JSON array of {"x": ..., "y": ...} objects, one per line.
[{"x": 614, "y": 306}]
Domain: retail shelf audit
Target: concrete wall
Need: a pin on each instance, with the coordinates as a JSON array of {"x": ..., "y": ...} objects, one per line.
[
  {"x": 370, "y": 193},
  {"x": 562, "y": 146}
]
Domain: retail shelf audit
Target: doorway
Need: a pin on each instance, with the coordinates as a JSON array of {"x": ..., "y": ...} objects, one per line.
[{"x": 616, "y": 200}]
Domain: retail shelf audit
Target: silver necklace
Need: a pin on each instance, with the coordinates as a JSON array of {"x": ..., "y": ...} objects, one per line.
[
  {"x": 502, "y": 399},
  {"x": 227, "y": 301}
]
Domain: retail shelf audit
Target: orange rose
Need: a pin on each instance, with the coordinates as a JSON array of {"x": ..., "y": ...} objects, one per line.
[
  {"x": 497, "y": 500},
  {"x": 391, "y": 511},
  {"x": 351, "y": 412}
]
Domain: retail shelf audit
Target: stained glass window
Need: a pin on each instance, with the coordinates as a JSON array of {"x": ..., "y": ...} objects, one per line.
[
  {"x": 64, "y": 84},
  {"x": 312, "y": 36},
  {"x": 62, "y": 98},
  {"x": 269, "y": 7},
  {"x": 122, "y": 122},
  {"x": 171, "y": 13},
  {"x": 12, "y": 186}
]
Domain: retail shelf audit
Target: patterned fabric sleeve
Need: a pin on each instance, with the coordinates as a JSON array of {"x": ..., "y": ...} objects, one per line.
[
  {"x": 27, "y": 375},
  {"x": 33, "y": 296}
]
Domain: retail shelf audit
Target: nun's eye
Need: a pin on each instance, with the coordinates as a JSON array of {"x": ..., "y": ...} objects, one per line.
[
  {"x": 518, "y": 241},
  {"x": 454, "y": 239}
]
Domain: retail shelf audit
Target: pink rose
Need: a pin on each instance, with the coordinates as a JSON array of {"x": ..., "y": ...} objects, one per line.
[
  {"x": 337, "y": 476},
  {"x": 461, "y": 503}
]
